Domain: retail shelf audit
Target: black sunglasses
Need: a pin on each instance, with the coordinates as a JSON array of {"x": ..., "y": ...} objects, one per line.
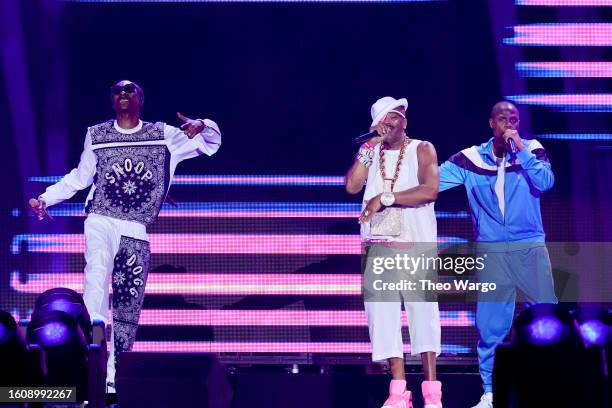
[{"x": 128, "y": 88}]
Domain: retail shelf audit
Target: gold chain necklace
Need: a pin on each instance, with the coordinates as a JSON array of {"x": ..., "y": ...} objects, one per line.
[{"x": 381, "y": 162}]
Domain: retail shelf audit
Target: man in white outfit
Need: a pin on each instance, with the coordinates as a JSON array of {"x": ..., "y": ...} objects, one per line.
[
  {"x": 130, "y": 164},
  {"x": 402, "y": 185}
]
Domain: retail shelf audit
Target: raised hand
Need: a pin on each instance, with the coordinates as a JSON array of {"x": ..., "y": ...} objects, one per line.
[
  {"x": 382, "y": 130},
  {"x": 191, "y": 127},
  {"x": 514, "y": 135}
]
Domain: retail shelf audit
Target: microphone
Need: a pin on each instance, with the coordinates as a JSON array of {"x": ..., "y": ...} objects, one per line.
[
  {"x": 512, "y": 145},
  {"x": 366, "y": 136},
  {"x": 34, "y": 203}
]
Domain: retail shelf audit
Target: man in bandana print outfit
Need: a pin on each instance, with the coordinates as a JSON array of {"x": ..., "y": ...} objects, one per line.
[{"x": 130, "y": 164}]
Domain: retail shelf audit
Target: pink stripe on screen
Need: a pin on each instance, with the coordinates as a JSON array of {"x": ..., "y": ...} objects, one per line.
[
  {"x": 211, "y": 284},
  {"x": 216, "y": 244},
  {"x": 353, "y": 318}
]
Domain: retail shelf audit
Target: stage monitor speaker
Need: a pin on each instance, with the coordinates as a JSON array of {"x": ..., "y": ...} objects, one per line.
[{"x": 156, "y": 380}]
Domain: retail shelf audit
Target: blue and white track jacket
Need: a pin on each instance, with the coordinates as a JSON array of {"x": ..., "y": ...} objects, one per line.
[{"x": 527, "y": 175}]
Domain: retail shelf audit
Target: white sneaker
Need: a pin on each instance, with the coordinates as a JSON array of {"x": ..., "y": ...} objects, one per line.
[{"x": 486, "y": 401}]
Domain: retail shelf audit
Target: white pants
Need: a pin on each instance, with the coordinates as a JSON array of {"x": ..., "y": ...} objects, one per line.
[
  {"x": 385, "y": 324},
  {"x": 102, "y": 237}
]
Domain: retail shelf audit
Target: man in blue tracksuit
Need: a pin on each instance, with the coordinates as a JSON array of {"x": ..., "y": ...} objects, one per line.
[{"x": 504, "y": 184}]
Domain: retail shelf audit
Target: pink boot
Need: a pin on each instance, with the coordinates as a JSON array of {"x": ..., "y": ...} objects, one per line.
[
  {"x": 432, "y": 394},
  {"x": 398, "y": 396}
]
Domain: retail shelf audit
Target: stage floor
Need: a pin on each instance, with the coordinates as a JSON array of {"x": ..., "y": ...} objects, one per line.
[{"x": 342, "y": 389}]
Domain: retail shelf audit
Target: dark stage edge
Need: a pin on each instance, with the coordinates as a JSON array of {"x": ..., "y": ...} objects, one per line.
[
  {"x": 268, "y": 387},
  {"x": 339, "y": 390}
]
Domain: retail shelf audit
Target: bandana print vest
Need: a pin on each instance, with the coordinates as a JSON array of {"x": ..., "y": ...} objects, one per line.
[{"x": 131, "y": 179}]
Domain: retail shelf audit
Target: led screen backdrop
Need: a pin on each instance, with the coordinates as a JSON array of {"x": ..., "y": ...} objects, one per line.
[
  {"x": 240, "y": 275},
  {"x": 257, "y": 252}
]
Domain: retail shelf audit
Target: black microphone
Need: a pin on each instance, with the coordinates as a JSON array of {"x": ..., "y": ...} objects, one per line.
[
  {"x": 513, "y": 148},
  {"x": 366, "y": 136}
]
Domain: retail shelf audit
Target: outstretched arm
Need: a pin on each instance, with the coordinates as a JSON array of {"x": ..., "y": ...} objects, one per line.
[
  {"x": 451, "y": 175},
  {"x": 195, "y": 137},
  {"x": 78, "y": 179}
]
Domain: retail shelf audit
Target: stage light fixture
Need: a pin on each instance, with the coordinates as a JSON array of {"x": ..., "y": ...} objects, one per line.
[
  {"x": 549, "y": 362},
  {"x": 595, "y": 324},
  {"x": 74, "y": 349},
  {"x": 67, "y": 301},
  {"x": 545, "y": 325},
  {"x": 8, "y": 327},
  {"x": 545, "y": 330},
  {"x": 55, "y": 328},
  {"x": 21, "y": 365}
]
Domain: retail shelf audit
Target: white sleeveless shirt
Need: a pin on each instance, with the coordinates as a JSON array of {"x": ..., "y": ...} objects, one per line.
[{"x": 419, "y": 223}]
